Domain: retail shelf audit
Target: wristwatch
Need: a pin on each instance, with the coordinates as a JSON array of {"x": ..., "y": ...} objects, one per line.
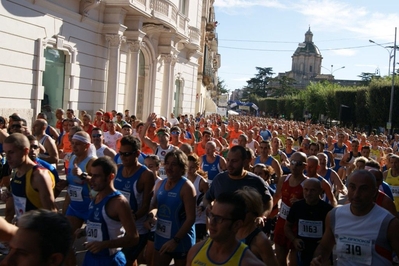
[
  {"x": 177, "y": 240},
  {"x": 83, "y": 176}
]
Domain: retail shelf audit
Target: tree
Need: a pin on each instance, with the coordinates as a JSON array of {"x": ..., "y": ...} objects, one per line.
[
  {"x": 367, "y": 77},
  {"x": 259, "y": 84},
  {"x": 221, "y": 87},
  {"x": 284, "y": 87}
]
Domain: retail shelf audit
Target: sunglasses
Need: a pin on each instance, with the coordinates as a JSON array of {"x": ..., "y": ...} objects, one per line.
[
  {"x": 297, "y": 163},
  {"x": 35, "y": 147},
  {"x": 126, "y": 154},
  {"x": 216, "y": 218},
  {"x": 96, "y": 135},
  {"x": 175, "y": 132},
  {"x": 16, "y": 126}
]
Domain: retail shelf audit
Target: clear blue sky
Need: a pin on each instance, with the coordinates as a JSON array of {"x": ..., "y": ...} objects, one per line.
[{"x": 265, "y": 33}]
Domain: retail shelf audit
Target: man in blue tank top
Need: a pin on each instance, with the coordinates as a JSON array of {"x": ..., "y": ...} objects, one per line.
[
  {"x": 136, "y": 183},
  {"x": 110, "y": 223}
]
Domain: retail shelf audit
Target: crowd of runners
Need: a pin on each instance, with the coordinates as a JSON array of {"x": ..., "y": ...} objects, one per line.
[{"x": 211, "y": 190}]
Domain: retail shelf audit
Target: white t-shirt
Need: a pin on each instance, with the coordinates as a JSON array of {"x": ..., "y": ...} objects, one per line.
[{"x": 110, "y": 140}]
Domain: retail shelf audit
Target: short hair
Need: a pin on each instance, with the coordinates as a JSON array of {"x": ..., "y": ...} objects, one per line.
[
  {"x": 267, "y": 169},
  {"x": 53, "y": 230},
  {"x": 70, "y": 110},
  {"x": 253, "y": 200},
  {"x": 361, "y": 159},
  {"x": 87, "y": 116},
  {"x": 373, "y": 164},
  {"x": 314, "y": 144},
  {"x": 131, "y": 141},
  {"x": 139, "y": 125},
  {"x": 250, "y": 153},
  {"x": 42, "y": 115},
  {"x": 15, "y": 117},
  {"x": 186, "y": 147},
  {"x": 207, "y": 132},
  {"x": 107, "y": 164},
  {"x": 240, "y": 149},
  {"x": 19, "y": 140},
  {"x": 265, "y": 142},
  {"x": 155, "y": 158},
  {"x": 244, "y": 136},
  {"x": 366, "y": 147},
  {"x": 181, "y": 157},
  {"x": 31, "y": 137},
  {"x": 239, "y": 207}
]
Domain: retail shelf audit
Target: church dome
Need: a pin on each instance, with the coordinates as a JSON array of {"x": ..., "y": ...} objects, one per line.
[{"x": 307, "y": 47}]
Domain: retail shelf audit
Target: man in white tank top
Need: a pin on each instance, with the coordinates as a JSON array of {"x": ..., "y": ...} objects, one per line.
[
  {"x": 363, "y": 232},
  {"x": 97, "y": 138}
]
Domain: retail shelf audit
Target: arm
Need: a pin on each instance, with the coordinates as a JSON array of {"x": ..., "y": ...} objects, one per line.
[
  {"x": 277, "y": 169},
  {"x": 187, "y": 195},
  {"x": 298, "y": 243},
  {"x": 51, "y": 149},
  {"x": 146, "y": 186},
  {"x": 54, "y": 133},
  {"x": 7, "y": 230},
  {"x": 263, "y": 248},
  {"x": 388, "y": 204},
  {"x": 42, "y": 182},
  {"x": 193, "y": 251},
  {"x": 109, "y": 152},
  {"x": 118, "y": 208},
  {"x": 223, "y": 164},
  {"x": 153, "y": 145},
  {"x": 326, "y": 244},
  {"x": 344, "y": 161},
  {"x": 337, "y": 182},
  {"x": 327, "y": 189},
  {"x": 331, "y": 158},
  {"x": 277, "y": 195}
]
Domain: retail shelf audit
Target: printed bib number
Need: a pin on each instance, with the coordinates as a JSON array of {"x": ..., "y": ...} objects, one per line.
[
  {"x": 164, "y": 228},
  {"x": 20, "y": 205},
  {"x": 94, "y": 232},
  {"x": 395, "y": 191},
  {"x": 312, "y": 229},
  {"x": 338, "y": 156},
  {"x": 126, "y": 194},
  {"x": 75, "y": 193},
  {"x": 354, "y": 249},
  {"x": 284, "y": 210}
]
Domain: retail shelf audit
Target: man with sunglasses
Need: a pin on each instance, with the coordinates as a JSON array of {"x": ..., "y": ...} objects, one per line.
[
  {"x": 225, "y": 217},
  {"x": 289, "y": 190},
  {"x": 97, "y": 138},
  {"x": 136, "y": 183},
  {"x": 39, "y": 131}
]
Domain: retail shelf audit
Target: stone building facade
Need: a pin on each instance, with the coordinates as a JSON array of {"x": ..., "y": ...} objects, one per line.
[{"x": 142, "y": 55}]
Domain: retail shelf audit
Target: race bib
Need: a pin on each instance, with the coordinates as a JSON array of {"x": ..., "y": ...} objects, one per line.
[
  {"x": 20, "y": 205},
  {"x": 354, "y": 249},
  {"x": 75, "y": 193},
  {"x": 395, "y": 191},
  {"x": 126, "y": 194},
  {"x": 296, "y": 147},
  {"x": 311, "y": 229},
  {"x": 234, "y": 142},
  {"x": 284, "y": 210},
  {"x": 94, "y": 232},
  {"x": 164, "y": 228},
  {"x": 338, "y": 156},
  {"x": 162, "y": 172}
]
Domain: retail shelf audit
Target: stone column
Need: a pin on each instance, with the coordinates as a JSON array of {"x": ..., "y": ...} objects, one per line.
[
  {"x": 114, "y": 45},
  {"x": 133, "y": 74},
  {"x": 167, "y": 90}
]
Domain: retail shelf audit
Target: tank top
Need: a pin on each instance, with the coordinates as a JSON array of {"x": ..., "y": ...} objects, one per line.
[
  {"x": 171, "y": 216},
  {"x": 364, "y": 236},
  {"x": 393, "y": 181},
  {"x": 128, "y": 187},
  {"x": 25, "y": 197},
  {"x": 375, "y": 154},
  {"x": 212, "y": 169},
  {"x": 78, "y": 190},
  {"x": 288, "y": 192},
  {"x": 100, "y": 151},
  {"x": 200, "y": 150},
  {"x": 100, "y": 227},
  {"x": 251, "y": 145},
  {"x": 161, "y": 154},
  {"x": 268, "y": 161},
  {"x": 201, "y": 258},
  {"x": 200, "y": 216},
  {"x": 339, "y": 153}
]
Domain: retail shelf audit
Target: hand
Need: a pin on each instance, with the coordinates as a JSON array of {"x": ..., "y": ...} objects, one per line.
[
  {"x": 260, "y": 221},
  {"x": 299, "y": 244},
  {"x": 94, "y": 247},
  {"x": 152, "y": 118},
  {"x": 76, "y": 170},
  {"x": 81, "y": 232},
  {"x": 169, "y": 246},
  {"x": 316, "y": 261},
  {"x": 150, "y": 222}
]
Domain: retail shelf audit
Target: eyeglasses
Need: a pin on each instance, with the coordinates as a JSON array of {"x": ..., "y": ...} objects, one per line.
[
  {"x": 16, "y": 126},
  {"x": 175, "y": 132},
  {"x": 125, "y": 154},
  {"x": 96, "y": 135},
  {"x": 216, "y": 218},
  {"x": 297, "y": 163},
  {"x": 35, "y": 147}
]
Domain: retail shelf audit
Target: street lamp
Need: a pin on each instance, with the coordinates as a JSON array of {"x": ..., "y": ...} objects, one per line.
[
  {"x": 389, "y": 52},
  {"x": 332, "y": 69}
]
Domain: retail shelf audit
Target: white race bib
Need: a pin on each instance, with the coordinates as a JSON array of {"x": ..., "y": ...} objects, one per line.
[
  {"x": 354, "y": 249},
  {"x": 284, "y": 210},
  {"x": 20, "y": 205},
  {"x": 75, "y": 193},
  {"x": 162, "y": 172},
  {"x": 94, "y": 232},
  {"x": 395, "y": 191},
  {"x": 312, "y": 229},
  {"x": 338, "y": 156},
  {"x": 164, "y": 228},
  {"x": 234, "y": 142}
]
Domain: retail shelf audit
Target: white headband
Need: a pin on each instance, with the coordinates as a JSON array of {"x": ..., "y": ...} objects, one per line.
[{"x": 81, "y": 138}]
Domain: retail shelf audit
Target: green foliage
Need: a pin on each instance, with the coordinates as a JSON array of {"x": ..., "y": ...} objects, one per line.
[
  {"x": 258, "y": 84},
  {"x": 221, "y": 87}
]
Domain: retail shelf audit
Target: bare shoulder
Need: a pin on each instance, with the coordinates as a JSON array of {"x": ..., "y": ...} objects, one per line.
[{"x": 250, "y": 259}]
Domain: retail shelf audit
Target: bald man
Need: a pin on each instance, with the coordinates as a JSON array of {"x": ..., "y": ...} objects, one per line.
[
  {"x": 363, "y": 232},
  {"x": 306, "y": 220},
  {"x": 39, "y": 131}
]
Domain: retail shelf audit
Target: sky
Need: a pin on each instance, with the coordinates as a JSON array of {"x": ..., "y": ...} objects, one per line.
[{"x": 266, "y": 33}]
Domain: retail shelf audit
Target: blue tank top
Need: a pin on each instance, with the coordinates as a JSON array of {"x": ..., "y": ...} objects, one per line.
[
  {"x": 49, "y": 167},
  {"x": 78, "y": 189},
  {"x": 268, "y": 161},
  {"x": 211, "y": 168},
  {"x": 340, "y": 152},
  {"x": 328, "y": 159},
  {"x": 127, "y": 186},
  {"x": 171, "y": 216},
  {"x": 327, "y": 176},
  {"x": 100, "y": 227}
]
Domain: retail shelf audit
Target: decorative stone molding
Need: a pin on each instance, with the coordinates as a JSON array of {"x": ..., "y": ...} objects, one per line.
[
  {"x": 135, "y": 46},
  {"x": 115, "y": 40},
  {"x": 169, "y": 58},
  {"x": 87, "y": 5}
]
